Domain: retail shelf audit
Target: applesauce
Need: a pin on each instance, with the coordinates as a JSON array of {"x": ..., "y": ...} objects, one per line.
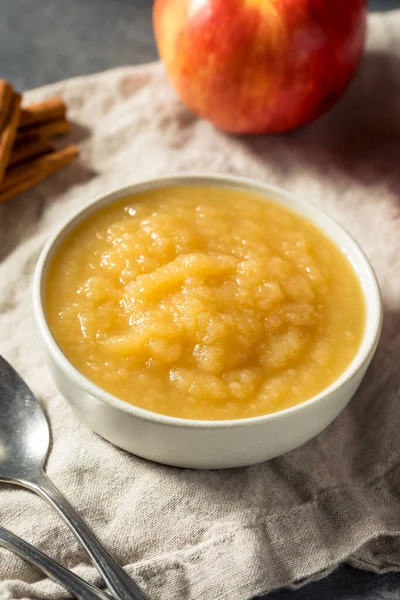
[{"x": 204, "y": 302}]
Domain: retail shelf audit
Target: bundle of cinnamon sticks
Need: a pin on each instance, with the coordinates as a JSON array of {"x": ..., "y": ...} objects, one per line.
[{"x": 27, "y": 155}]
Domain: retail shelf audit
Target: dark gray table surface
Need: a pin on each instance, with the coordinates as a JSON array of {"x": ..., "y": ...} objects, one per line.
[{"x": 42, "y": 41}]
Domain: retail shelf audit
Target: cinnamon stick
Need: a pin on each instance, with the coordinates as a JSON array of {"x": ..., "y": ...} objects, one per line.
[
  {"x": 28, "y": 149},
  {"x": 22, "y": 177},
  {"x": 6, "y": 96},
  {"x": 49, "y": 129},
  {"x": 41, "y": 112},
  {"x": 7, "y": 135}
]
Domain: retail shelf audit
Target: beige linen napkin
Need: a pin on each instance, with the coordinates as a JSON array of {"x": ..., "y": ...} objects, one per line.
[{"x": 187, "y": 535}]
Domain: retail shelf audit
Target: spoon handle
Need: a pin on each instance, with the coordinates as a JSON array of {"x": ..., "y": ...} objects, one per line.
[
  {"x": 121, "y": 586},
  {"x": 75, "y": 585}
]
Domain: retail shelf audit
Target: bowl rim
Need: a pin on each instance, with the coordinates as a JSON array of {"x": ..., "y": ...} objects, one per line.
[{"x": 354, "y": 253}]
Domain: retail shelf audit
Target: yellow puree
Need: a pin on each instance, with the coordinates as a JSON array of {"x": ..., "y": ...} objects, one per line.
[{"x": 204, "y": 303}]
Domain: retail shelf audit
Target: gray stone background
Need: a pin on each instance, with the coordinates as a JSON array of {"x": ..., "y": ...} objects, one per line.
[{"x": 42, "y": 41}]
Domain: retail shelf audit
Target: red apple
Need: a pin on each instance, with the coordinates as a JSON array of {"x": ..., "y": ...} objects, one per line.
[{"x": 253, "y": 66}]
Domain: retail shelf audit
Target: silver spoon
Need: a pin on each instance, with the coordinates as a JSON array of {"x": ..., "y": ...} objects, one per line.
[
  {"x": 24, "y": 444},
  {"x": 79, "y": 588}
]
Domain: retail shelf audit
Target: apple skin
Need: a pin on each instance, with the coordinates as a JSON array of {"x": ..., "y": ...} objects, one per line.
[{"x": 256, "y": 66}]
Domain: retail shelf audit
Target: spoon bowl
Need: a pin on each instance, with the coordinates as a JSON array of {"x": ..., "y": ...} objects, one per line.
[{"x": 24, "y": 432}]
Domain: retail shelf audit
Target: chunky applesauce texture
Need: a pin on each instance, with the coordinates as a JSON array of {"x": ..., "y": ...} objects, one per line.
[{"x": 204, "y": 302}]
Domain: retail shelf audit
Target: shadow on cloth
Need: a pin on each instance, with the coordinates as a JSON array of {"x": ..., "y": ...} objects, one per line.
[
  {"x": 19, "y": 214},
  {"x": 359, "y": 136}
]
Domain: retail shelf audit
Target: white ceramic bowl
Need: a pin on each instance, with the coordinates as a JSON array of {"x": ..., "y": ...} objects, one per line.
[{"x": 211, "y": 444}]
